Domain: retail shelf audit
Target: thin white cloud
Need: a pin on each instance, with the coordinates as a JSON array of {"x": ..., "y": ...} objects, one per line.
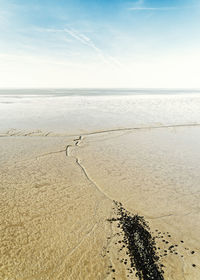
[
  {"x": 50, "y": 30},
  {"x": 88, "y": 42},
  {"x": 140, "y": 6},
  {"x": 84, "y": 40},
  {"x": 153, "y": 8}
]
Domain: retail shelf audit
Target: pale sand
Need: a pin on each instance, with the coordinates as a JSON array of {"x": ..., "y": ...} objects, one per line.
[{"x": 57, "y": 194}]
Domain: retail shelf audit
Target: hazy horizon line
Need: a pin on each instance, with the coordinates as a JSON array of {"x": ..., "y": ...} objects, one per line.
[{"x": 98, "y": 88}]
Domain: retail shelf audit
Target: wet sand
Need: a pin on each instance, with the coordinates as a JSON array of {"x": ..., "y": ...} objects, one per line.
[{"x": 59, "y": 204}]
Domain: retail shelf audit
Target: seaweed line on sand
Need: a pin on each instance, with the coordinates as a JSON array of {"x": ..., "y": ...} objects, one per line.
[{"x": 140, "y": 244}]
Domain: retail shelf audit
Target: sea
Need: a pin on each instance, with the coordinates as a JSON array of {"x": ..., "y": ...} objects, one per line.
[{"x": 88, "y": 110}]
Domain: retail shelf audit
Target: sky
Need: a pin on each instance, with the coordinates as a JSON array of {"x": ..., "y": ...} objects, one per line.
[{"x": 99, "y": 44}]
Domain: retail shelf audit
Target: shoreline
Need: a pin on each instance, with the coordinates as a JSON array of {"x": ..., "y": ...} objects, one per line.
[{"x": 14, "y": 132}]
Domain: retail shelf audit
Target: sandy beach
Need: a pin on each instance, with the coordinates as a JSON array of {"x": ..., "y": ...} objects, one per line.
[
  {"x": 116, "y": 200},
  {"x": 99, "y": 140}
]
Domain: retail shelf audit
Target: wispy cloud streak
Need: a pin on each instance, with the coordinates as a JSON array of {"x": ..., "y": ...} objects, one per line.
[
  {"x": 84, "y": 40},
  {"x": 88, "y": 42},
  {"x": 153, "y": 8}
]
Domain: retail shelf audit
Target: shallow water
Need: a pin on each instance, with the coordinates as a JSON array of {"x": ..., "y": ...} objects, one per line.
[{"x": 71, "y": 113}]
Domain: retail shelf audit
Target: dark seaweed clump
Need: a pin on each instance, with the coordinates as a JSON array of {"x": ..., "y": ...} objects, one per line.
[{"x": 140, "y": 244}]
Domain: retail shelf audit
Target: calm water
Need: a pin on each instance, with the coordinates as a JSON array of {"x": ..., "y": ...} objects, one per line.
[{"x": 88, "y": 110}]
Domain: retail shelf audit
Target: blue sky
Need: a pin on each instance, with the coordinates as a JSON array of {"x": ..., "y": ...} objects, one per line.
[{"x": 88, "y": 43}]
